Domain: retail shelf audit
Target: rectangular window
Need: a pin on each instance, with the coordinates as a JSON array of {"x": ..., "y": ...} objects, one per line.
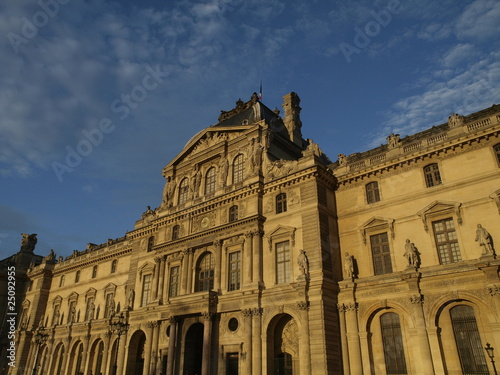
[
  {"x": 432, "y": 175},
  {"x": 446, "y": 241},
  {"x": 174, "y": 282},
  {"x": 281, "y": 203},
  {"x": 283, "y": 271},
  {"x": 89, "y": 311},
  {"x": 109, "y": 305},
  {"x": 234, "y": 270},
  {"x": 392, "y": 341},
  {"x": 372, "y": 192},
  {"x": 146, "y": 289},
  {"x": 381, "y": 254},
  {"x": 232, "y": 364}
]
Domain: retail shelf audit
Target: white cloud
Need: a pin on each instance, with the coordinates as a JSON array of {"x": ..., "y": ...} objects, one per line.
[{"x": 479, "y": 21}]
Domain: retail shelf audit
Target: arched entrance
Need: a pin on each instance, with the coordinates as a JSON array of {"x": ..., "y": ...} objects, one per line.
[
  {"x": 283, "y": 345},
  {"x": 57, "y": 360},
  {"x": 95, "y": 359},
  {"x": 135, "y": 364},
  {"x": 76, "y": 359},
  {"x": 193, "y": 349}
]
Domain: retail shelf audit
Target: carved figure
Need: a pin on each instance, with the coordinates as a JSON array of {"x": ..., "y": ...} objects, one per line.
[
  {"x": 90, "y": 311},
  {"x": 223, "y": 168},
  {"x": 303, "y": 263},
  {"x": 349, "y": 266},
  {"x": 393, "y": 140},
  {"x": 196, "y": 180},
  {"x": 111, "y": 308},
  {"x": 256, "y": 150},
  {"x": 28, "y": 242},
  {"x": 455, "y": 120},
  {"x": 51, "y": 257},
  {"x": 484, "y": 239},
  {"x": 410, "y": 254},
  {"x": 72, "y": 314},
  {"x": 342, "y": 159},
  {"x": 130, "y": 299}
]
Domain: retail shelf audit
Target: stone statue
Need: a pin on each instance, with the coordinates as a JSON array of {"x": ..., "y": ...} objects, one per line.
[
  {"x": 28, "y": 242},
  {"x": 303, "y": 263},
  {"x": 484, "y": 239},
  {"x": 51, "y": 257},
  {"x": 72, "y": 314},
  {"x": 91, "y": 311},
  {"x": 393, "y": 140},
  {"x": 130, "y": 299},
  {"x": 411, "y": 254},
  {"x": 256, "y": 150},
  {"x": 455, "y": 120},
  {"x": 348, "y": 266},
  {"x": 111, "y": 308},
  {"x": 342, "y": 159},
  {"x": 223, "y": 167},
  {"x": 196, "y": 180}
]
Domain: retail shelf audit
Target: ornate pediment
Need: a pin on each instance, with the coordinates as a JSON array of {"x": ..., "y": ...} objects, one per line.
[
  {"x": 438, "y": 208},
  {"x": 376, "y": 223}
]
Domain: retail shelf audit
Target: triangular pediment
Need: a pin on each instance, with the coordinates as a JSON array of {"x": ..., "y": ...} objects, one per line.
[
  {"x": 438, "y": 208},
  {"x": 376, "y": 222}
]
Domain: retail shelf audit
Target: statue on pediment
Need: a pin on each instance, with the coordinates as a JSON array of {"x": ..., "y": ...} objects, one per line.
[
  {"x": 256, "y": 151},
  {"x": 223, "y": 168},
  {"x": 455, "y": 120},
  {"x": 28, "y": 242},
  {"x": 342, "y": 159},
  {"x": 393, "y": 140}
]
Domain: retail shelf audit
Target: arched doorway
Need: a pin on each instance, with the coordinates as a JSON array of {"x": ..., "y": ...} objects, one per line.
[
  {"x": 95, "y": 359},
  {"x": 193, "y": 349},
  {"x": 57, "y": 360},
  {"x": 135, "y": 364},
  {"x": 75, "y": 359},
  {"x": 283, "y": 345}
]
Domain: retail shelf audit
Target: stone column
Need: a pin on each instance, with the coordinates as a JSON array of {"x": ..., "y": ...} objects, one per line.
[
  {"x": 121, "y": 353},
  {"x": 65, "y": 363},
  {"x": 247, "y": 366},
  {"x": 49, "y": 355},
  {"x": 424, "y": 364},
  {"x": 355, "y": 360},
  {"x": 161, "y": 282},
  {"x": 156, "y": 279},
  {"x": 248, "y": 259},
  {"x": 343, "y": 339},
  {"x": 432, "y": 333},
  {"x": 84, "y": 365},
  {"x": 171, "y": 345},
  {"x": 105, "y": 354},
  {"x": 304, "y": 344},
  {"x": 148, "y": 346},
  {"x": 207, "y": 339},
  {"x": 154, "y": 347},
  {"x": 189, "y": 270},
  {"x": 218, "y": 261},
  {"x": 257, "y": 256},
  {"x": 256, "y": 341},
  {"x": 365, "y": 351}
]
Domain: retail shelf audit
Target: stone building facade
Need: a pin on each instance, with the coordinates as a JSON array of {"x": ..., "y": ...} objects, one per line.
[{"x": 264, "y": 257}]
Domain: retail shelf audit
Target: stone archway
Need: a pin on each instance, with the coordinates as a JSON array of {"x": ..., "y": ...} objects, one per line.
[
  {"x": 75, "y": 359},
  {"x": 57, "y": 360},
  {"x": 283, "y": 345},
  {"x": 193, "y": 349},
  {"x": 136, "y": 346},
  {"x": 96, "y": 357}
]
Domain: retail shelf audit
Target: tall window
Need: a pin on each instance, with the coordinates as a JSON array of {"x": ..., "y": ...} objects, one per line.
[
  {"x": 372, "y": 192},
  {"x": 281, "y": 203},
  {"x": 183, "y": 191},
  {"x": 446, "y": 241},
  {"x": 233, "y": 213},
  {"x": 61, "y": 281},
  {"x": 496, "y": 148},
  {"x": 151, "y": 243},
  {"x": 210, "y": 180},
  {"x": 283, "y": 273},
  {"x": 77, "y": 276},
  {"x": 206, "y": 267},
  {"x": 176, "y": 232},
  {"x": 432, "y": 175},
  {"x": 89, "y": 311},
  {"x": 234, "y": 270},
  {"x": 381, "y": 254},
  {"x": 238, "y": 168},
  {"x": 146, "y": 289},
  {"x": 110, "y": 305},
  {"x": 114, "y": 263},
  {"x": 174, "y": 282},
  {"x": 94, "y": 272},
  {"x": 469, "y": 346},
  {"x": 392, "y": 341},
  {"x": 57, "y": 314}
]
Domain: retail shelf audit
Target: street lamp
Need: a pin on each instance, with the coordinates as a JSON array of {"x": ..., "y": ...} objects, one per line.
[
  {"x": 40, "y": 338},
  {"x": 118, "y": 325},
  {"x": 489, "y": 349}
]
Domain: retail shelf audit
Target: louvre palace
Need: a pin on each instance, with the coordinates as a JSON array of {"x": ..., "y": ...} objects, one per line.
[{"x": 267, "y": 257}]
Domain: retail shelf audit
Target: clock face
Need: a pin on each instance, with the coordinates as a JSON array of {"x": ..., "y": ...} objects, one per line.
[{"x": 205, "y": 222}]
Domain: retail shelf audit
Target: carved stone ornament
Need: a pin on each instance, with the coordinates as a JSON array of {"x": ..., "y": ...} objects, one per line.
[
  {"x": 494, "y": 290},
  {"x": 28, "y": 242},
  {"x": 393, "y": 140},
  {"x": 417, "y": 298},
  {"x": 281, "y": 168},
  {"x": 455, "y": 120}
]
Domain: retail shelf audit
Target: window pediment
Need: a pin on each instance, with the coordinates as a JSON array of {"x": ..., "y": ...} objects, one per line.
[
  {"x": 281, "y": 231},
  {"x": 146, "y": 268},
  {"x": 439, "y": 208},
  {"x": 377, "y": 223}
]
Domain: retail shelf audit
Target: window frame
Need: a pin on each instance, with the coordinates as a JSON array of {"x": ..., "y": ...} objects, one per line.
[
  {"x": 496, "y": 150},
  {"x": 146, "y": 288},
  {"x": 173, "y": 281},
  {"x": 385, "y": 266},
  {"x": 114, "y": 265},
  {"x": 448, "y": 241},
  {"x": 234, "y": 271},
  {"x": 205, "y": 276},
  {"x": 283, "y": 267},
  {"x": 176, "y": 229},
  {"x": 238, "y": 168},
  {"x": 210, "y": 181},
  {"x": 281, "y": 203},
  {"x": 372, "y": 192},
  {"x": 432, "y": 175},
  {"x": 94, "y": 271},
  {"x": 392, "y": 337},
  {"x": 233, "y": 214},
  {"x": 183, "y": 191}
]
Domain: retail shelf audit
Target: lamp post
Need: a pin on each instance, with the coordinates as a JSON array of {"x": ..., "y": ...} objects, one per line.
[
  {"x": 118, "y": 325},
  {"x": 489, "y": 349},
  {"x": 40, "y": 338}
]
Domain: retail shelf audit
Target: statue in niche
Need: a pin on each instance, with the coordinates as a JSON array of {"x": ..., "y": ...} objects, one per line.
[
  {"x": 349, "y": 266},
  {"x": 28, "y": 242},
  {"x": 303, "y": 263},
  {"x": 130, "y": 299},
  {"x": 484, "y": 239},
  {"x": 91, "y": 311},
  {"x": 393, "y": 140},
  {"x": 168, "y": 191},
  {"x": 411, "y": 254},
  {"x": 455, "y": 120},
  {"x": 111, "y": 308},
  {"x": 223, "y": 168},
  {"x": 72, "y": 314},
  {"x": 256, "y": 150},
  {"x": 342, "y": 159},
  {"x": 196, "y": 180}
]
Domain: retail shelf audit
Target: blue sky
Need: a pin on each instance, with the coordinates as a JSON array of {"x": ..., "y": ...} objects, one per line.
[{"x": 138, "y": 79}]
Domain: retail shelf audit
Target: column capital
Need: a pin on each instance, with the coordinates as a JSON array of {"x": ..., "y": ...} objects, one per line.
[
  {"x": 494, "y": 290},
  {"x": 158, "y": 259},
  {"x": 249, "y": 234},
  {"x": 246, "y": 312},
  {"x": 207, "y": 315},
  {"x": 172, "y": 319},
  {"x": 256, "y": 311},
  {"x": 303, "y": 305},
  {"x": 152, "y": 324},
  {"x": 351, "y": 306},
  {"x": 417, "y": 298}
]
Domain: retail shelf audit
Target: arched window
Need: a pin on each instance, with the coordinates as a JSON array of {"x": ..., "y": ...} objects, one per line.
[
  {"x": 210, "y": 180},
  {"x": 61, "y": 281},
  {"x": 94, "y": 272},
  {"x": 372, "y": 192},
  {"x": 469, "y": 346},
  {"x": 281, "y": 203},
  {"x": 233, "y": 213},
  {"x": 392, "y": 341},
  {"x": 183, "y": 191},
  {"x": 205, "y": 274},
  {"x": 238, "y": 168},
  {"x": 113, "y": 266},
  {"x": 176, "y": 232},
  {"x": 432, "y": 175},
  {"x": 77, "y": 276}
]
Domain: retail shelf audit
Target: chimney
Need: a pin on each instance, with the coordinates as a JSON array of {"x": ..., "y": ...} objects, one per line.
[{"x": 292, "y": 121}]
